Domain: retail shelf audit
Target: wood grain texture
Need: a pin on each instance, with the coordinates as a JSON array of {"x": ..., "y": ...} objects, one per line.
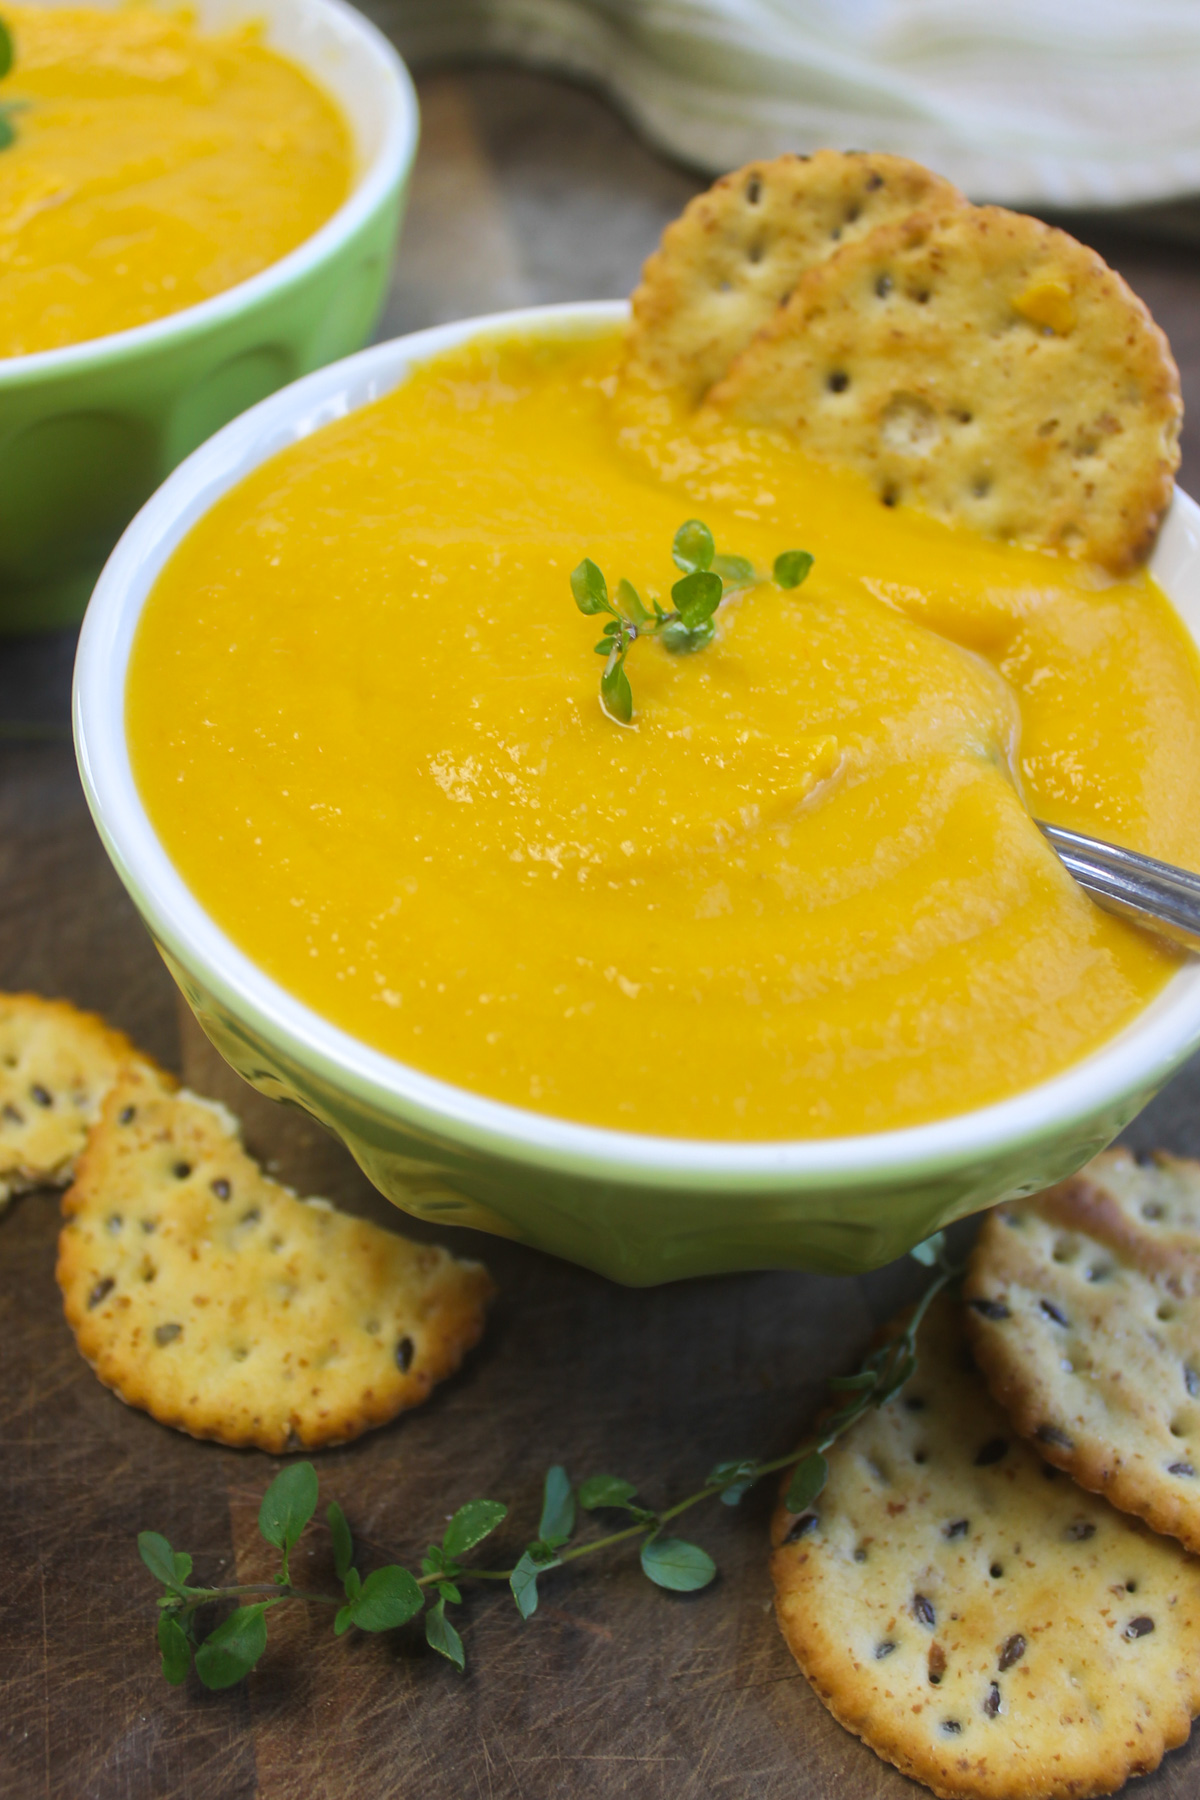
[{"x": 613, "y": 1689}]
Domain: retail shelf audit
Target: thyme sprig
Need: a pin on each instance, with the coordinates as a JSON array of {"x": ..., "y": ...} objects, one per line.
[
  {"x": 393, "y": 1595},
  {"x": 706, "y": 580}
]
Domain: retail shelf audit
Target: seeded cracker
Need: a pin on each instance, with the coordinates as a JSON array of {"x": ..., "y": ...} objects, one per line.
[
  {"x": 977, "y": 1619},
  {"x": 222, "y": 1304},
  {"x": 985, "y": 368},
  {"x": 738, "y": 250},
  {"x": 1085, "y": 1317},
  {"x": 56, "y": 1065}
]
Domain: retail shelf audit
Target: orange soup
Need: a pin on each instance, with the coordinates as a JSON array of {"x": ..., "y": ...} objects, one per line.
[
  {"x": 152, "y": 166},
  {"x": 801, "y": 894}
]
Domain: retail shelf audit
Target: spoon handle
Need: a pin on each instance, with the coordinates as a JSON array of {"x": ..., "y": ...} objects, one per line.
[{"x": 1147, "y": 892}]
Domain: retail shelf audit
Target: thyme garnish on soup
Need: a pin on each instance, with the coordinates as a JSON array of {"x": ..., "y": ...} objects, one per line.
[{"x": 706, "y": 580}]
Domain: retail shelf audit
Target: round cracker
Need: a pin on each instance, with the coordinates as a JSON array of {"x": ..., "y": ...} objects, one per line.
[
  {"x": 737, "y": 251},
  {"x": 1085, "y": 1318},
  {"x": 985, "y": 368},
  {"x": 973, "y": 1616},
  {"x": 220, "y": 1303},
  {"x": 56, "y": 1066}
]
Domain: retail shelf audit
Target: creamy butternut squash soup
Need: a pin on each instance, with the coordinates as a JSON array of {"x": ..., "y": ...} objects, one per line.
[
  {"x": 152, "y": 167},
  {"x": 800, "y": 895}
]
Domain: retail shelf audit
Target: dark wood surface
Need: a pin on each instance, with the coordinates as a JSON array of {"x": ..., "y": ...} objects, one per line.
[{"x": 526, "y": 190}]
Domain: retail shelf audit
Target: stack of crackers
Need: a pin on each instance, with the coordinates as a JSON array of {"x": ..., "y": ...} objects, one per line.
[
  {"x": 967, "y": 360},
  {"x": 199, "y": 1289},
  {"x": 997, "y": 1588}
]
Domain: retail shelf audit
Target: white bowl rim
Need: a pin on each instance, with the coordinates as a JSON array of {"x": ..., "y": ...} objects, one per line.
[
  {"x": 393, "y": 156},
  {"x": 1134, "y": 1061}
]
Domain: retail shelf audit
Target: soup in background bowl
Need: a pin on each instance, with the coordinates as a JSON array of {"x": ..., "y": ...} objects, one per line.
[
  {"x": 90, "y": 424},
  {"x": 640, "y": 1204}
]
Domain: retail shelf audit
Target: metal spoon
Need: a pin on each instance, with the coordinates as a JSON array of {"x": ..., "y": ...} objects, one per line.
[{"x": 1147, "y": 892}]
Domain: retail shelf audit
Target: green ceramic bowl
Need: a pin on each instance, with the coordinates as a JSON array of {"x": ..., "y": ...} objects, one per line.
[
  {"x": 640, "y": 1209},
  {"x": 88, "y": 432}
]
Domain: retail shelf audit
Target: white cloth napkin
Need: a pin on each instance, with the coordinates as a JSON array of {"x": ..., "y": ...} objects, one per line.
[{"x": 1043, "y": 103}]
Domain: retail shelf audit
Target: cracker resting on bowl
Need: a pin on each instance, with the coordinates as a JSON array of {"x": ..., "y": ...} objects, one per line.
[
  {"x": 1085, "y": 1319},
  {"x": 212, "y": 1297},
  {"x": 737, "y": 251},
  {"x": 983, "y": 367},
  {"x": 56, "y": 1066},
  {"x": 976, "y": 1618}
]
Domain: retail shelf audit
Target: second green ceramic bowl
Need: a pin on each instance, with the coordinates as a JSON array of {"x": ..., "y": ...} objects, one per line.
[
  {"x": 640, "y": 1209},
  {"x": 88, "y": 432}
]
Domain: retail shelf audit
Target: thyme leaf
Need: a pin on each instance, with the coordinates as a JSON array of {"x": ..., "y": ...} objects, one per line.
[
  {"x": 8, "y": 131},
  {"x": 706, "y": 579}
]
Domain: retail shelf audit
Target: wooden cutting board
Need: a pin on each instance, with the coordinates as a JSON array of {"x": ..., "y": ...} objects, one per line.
[{"x": 614, "y": 1688}]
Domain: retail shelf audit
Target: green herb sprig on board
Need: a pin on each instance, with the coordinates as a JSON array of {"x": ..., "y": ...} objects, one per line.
[
  {"x": 391, "y": 1596},
  {"x": 8, "y": 131},
  {"x": 706, "y": 580}
]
